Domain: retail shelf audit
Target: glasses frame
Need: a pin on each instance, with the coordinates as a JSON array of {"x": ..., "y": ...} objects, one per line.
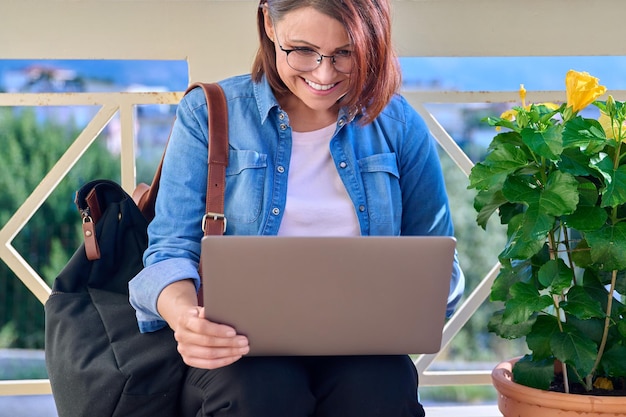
[{"x": 318, "y": 60}]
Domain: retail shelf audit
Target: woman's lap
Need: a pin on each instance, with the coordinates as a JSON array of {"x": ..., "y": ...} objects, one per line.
[{"x": 326, "y": 386}]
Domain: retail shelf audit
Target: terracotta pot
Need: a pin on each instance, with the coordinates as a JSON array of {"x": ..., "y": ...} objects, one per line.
[{"x": 516, "y": 400}]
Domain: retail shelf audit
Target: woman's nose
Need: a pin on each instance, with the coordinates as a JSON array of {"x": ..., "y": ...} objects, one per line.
[{"x": 326, "y": 70}]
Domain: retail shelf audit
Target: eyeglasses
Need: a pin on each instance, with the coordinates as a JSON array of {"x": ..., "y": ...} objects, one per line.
[{"x": 307, "y": 59}]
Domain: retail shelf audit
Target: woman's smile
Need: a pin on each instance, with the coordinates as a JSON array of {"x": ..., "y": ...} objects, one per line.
[{"x": 319, "y": 87}]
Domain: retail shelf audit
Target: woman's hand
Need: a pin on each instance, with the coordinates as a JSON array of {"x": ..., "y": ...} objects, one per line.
[
  {"x": 205, "y": 344},
  {"x": 201, "y": 343}
]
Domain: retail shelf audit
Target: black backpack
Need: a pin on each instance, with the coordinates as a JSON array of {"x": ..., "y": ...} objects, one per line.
[{"x": 98, "y": 362}]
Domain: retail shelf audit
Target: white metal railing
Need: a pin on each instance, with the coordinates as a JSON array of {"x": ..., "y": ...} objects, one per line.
[
  {"x": 109, "y": 104},
  {"x": 124, "y": 103}
]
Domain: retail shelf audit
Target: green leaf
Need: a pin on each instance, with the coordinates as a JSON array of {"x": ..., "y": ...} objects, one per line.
[
  {"x": 588, "y": 193},
  {"x": 484, "y": 177},
  {"x": 525, "y": 301},
  {"x": 527, "y": 234},
  {"x": 595, "y": 286},
  {"x": 509, "y": 210},
  {"x": 585, "y": 134},
  {"x": 559, "y": 196},
  {"x": 581, "y": 305},
  {"x": 498, "y": 121},
  {"x": 608, "y": 246},
  {"x": 613, "y": 362},
  {"x": 510, "y": 138},
  {"x": 575, "y": 162},
  {"x": 555, "y": 275},
  {"x": 534, "y": 373},
  {"x": 587, "y": 218},
  {"x": 538, "y": 340},
  {"x": 620, "y": 284},
  {"x": 582, "y": 254},
  {"x": 621, "y": 328},
  {"x": 486, "y": 203},
  {"x": 507, "y": 276},
  {"x": 503, "y": 160},
  {"x": 615, "y": 193},
  {"x": 547, "y": 143},
  {"x": 509, "y": 331},
  {"x": 592, "y": 328},
  {"x": 574, "y": 349}
]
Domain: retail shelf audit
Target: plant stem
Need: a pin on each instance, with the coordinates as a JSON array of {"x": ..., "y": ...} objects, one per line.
[
  {"x": 565, "y": 378},
  {"x": 569, "y": 252},
  {"x": 556, "y": 299},
  {"x": 605, "y": 332}
]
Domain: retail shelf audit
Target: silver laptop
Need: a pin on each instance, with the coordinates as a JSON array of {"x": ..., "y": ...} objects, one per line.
[{"x": 330, "y": 295}]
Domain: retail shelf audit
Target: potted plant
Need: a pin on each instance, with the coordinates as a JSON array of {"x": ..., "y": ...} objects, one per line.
[{"x": 556, "y": 177}]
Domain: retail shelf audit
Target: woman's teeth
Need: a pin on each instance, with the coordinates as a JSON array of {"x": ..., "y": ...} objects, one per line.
[{"x": 319, "y": 86}]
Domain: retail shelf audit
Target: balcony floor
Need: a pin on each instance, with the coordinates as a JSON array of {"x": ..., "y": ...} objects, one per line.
[
  {"x": 463, "y": 411},
  {"x": 43, "y": 406}
]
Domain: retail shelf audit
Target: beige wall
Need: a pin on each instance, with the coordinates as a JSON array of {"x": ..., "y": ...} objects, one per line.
[{"x": 218, "y": 38}]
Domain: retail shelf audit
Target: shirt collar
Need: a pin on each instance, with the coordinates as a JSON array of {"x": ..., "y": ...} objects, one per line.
[{"x": 266, "y": 101}]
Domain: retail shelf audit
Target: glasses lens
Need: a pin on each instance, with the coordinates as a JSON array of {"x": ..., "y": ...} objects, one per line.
[
  {"x": 343, "y": 63},
  {"x": 307, "y": 60},
  {"x": 303, "y": 59}
]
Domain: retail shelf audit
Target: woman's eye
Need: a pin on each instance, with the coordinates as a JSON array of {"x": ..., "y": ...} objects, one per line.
[
  {"x": 344, "y": 53},
  {"x": 305, "y": 51}
]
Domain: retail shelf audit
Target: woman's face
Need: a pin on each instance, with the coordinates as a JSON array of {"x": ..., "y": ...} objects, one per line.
[{"x": 318, "y": 89}]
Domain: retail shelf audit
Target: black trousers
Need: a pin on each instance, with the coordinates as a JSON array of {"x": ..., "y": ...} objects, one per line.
[{"x": 322, "y": 386}]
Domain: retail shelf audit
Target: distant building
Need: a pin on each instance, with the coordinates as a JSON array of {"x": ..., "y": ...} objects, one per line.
[
  {"x": 42, "y": 79},
  {"x": 153, "y": 122}
]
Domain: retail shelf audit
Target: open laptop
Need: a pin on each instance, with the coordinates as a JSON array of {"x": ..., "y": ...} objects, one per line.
[{"x": 330, "y": 295}]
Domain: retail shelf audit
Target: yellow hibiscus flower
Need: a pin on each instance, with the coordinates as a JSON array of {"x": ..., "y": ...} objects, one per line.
[{"x": 582, "y": 89}]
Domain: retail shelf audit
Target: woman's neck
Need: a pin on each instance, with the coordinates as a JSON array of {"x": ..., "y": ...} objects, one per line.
[{"x": 305, "y": 119}]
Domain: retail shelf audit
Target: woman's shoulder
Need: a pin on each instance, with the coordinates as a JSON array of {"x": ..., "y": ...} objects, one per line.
[
  {"x": 400, "y": 110},
  {"x": 237, "y": 86}
]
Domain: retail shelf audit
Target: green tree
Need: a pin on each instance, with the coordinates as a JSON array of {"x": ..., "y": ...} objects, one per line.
[{"x": 30, "y": 146}]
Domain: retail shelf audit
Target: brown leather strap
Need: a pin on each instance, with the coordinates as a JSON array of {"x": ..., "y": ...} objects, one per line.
[
  {"x": 145, "y": 197},
  {"x": 92, "y": 249},
  {"x": 214, "y": 221}
]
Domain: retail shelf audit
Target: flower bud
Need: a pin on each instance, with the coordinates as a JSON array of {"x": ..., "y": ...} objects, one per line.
[{"x": 610, "y": 106}]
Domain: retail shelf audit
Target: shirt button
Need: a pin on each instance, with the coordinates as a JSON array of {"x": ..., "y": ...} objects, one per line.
[
  {"x": 281, "y": 116},
  {"x": 342, "y": 164},
  {"x": 283, "y": 126},
  {"x": 361, "y": 208},
  {"x": 280, "y": 169},
  {"x": 275, "y": 211},
  {"x": 342, "y": 122}
]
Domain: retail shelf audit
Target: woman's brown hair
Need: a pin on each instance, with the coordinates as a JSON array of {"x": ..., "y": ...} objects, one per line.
[{"x": 376, "y": 74}]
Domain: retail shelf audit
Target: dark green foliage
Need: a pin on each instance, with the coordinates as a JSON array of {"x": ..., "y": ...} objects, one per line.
[{"x": 29, "y": 148}]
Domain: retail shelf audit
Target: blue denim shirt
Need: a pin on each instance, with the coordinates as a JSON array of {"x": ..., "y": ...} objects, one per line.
[{"x": 390, "y": 168}]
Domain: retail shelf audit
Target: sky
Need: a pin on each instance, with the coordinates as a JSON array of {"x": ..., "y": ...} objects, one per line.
[
  {"x": 169, "y": 74},
  {"x": 465, "y": 74},
  {"x": 507, "y": 73}
]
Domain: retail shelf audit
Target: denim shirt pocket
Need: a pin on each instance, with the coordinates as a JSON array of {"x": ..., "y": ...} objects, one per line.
[
  {"x": 245, "y": 181},
  {"x": 382, "y": 187}
]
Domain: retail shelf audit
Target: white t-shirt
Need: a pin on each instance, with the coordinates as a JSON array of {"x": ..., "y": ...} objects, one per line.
[{"x": 317, "y": 201}]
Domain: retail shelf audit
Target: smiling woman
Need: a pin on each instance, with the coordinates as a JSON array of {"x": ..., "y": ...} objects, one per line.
[
  {"x": 345, "y": 35},
  {"x": 317, "y": 127}
]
